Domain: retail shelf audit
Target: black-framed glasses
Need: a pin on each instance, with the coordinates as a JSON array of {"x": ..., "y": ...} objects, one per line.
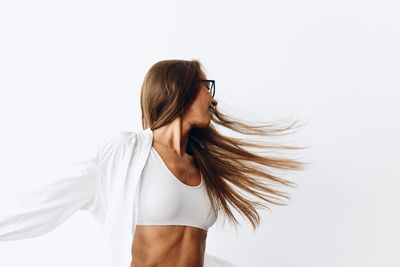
[{"x": 210, "y": 85}]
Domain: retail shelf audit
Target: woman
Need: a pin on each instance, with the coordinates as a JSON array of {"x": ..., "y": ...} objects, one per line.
[{"x": 157, "y": 191}]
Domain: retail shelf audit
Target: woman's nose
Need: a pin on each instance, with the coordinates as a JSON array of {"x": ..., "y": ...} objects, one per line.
[{"x": 214, "y": 102}]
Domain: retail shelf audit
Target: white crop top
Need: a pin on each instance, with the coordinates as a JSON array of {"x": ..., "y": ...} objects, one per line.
[{"x": 165, "y": 200}]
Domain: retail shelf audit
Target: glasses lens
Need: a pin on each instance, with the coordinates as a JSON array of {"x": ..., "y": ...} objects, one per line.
[
  {"x": 212, "y": 90},
  {"x": 210, "y": 86}
]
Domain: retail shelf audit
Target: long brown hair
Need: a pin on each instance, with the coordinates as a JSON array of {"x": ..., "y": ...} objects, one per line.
[{"x": 228, "y": 165}]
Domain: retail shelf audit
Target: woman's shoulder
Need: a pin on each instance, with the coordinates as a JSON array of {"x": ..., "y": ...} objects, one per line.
[
  {"x": 115, "y": 138},
  {"x": 122, "y": 138}
]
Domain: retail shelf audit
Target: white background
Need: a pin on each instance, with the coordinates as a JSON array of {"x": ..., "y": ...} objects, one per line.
[{"x": 71, "y": 69}]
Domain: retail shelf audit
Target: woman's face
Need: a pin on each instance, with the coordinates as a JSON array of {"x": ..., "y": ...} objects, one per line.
[{"x": 199, "y": 113}]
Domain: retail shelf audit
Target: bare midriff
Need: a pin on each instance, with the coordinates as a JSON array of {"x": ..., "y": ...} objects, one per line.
[{"x": 168, "y": 246}]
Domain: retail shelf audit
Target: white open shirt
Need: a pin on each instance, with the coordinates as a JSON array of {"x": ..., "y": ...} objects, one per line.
[{"x": 104, "y": 182}]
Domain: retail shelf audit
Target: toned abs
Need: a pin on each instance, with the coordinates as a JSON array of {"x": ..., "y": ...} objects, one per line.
[{"x": 168, "y": 246}]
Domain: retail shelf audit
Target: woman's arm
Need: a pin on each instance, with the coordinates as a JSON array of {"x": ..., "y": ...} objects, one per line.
[{"x": 40, "y": 210}]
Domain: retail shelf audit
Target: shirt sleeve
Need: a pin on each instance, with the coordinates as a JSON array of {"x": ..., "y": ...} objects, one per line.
[{"x": 40, "y": 210}]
